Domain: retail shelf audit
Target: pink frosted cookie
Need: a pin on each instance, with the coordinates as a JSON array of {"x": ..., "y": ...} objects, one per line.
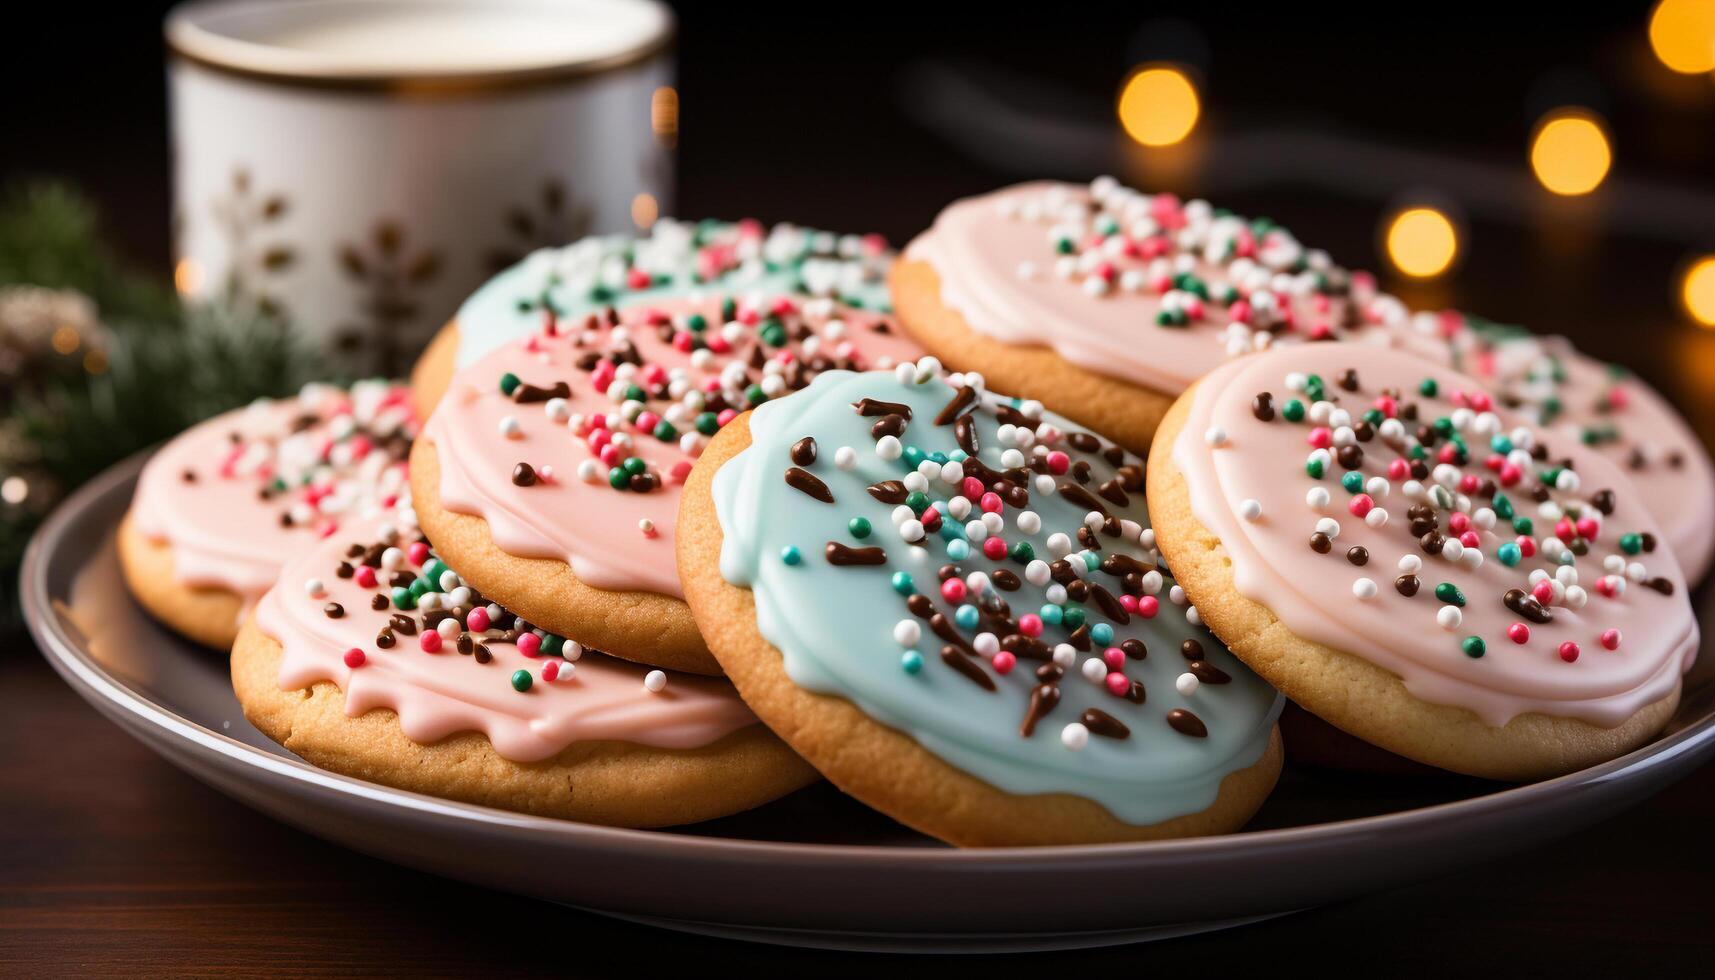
[
  {"x": 1601, "y": 405},
  {"x": 550, "y": 473},
  {"x": 1419, "y": 566},
  {"x": 374, "y": 659},
  {"x": 221, "y": 507},
  {"x": 1104, "y": 303}
]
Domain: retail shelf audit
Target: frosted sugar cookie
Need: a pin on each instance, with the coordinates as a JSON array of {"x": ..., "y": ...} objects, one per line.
[
  {"x": 1418, "y": 565},
  {"x": 950, "y": 604}
]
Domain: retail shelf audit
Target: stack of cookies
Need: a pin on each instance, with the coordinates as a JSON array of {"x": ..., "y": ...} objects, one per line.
[{"x": 1025, "y": 537}]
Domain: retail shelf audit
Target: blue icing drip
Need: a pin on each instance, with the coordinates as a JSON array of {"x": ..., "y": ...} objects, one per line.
[
  {"x": 834, "y": 625},
  {"x": 591, "y": 274}
]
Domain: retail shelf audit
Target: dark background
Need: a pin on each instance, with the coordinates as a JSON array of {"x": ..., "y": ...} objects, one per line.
[{"x": 111, "y": 860}]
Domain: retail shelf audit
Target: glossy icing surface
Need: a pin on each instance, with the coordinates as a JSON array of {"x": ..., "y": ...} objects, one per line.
[
  {"x": 239, "y": 494},
  {"x": 676, "y": 260},
  {"x": 1032, "y": 666},
  {"x": 1515, "y": 542},
  {"x": 644, "y": 393},
  {"x": 1140, "y": 287},
  {"x": 468, "y": 682}
]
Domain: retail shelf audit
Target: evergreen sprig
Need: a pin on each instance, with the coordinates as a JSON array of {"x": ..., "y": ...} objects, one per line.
[{"x": 166, "y": 365}]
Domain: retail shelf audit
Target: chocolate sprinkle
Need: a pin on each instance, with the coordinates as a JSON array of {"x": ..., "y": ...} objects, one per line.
[
  {"x": 523, "y": 475},
  {"x": 955, "y": 658},
  {"x": 839, "y": 554},
  {"x": 1186, "y": 723},
  {"x": 804, "y": 451},
  {"x": 807, "y": 483},
  {"x": 1101, "y": 723}
]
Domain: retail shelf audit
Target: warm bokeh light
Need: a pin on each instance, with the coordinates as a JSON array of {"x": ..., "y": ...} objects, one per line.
[
  {"x": 644, "y": 211},
  {"x": 1158, "y": 106},
  {"x": 187, "y": 277},
  {"x": 1422, "y": 242},
  {"x": 65, "y": 339},
  {"x": 664, "y": 115},
  {"x": 1570, "y": 153},
  {"x": 1698, "y": 290},
  {"x": 1682, "y": 32},
  {"x": 95, "y": 361},
  {"x": 14, "y": 490}
]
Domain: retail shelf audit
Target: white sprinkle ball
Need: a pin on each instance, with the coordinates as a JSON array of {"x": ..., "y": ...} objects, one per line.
[{"x": 655, "y": 681}]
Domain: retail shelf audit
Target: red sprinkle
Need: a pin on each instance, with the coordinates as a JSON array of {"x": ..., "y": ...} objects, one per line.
[
  {"x": 1147, "y": 606},
  {"x": 430, "y": 641},
  {"x": 1118, "y": 684},
  {"x": 1569, "y": 651},
  {"x": 529, "y": 644},
  {"x": 355, "y": 658},
  {"x": 1610, "y": 639},
  {"x": 1518, "y": 633},
  {"x": 418, "y": 552},
  {"x": 1003, "y": 662}
]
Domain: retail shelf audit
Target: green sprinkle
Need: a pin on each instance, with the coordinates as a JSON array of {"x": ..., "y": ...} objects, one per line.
[
  {"x": 403, "y": 599},
  {"x": 1314, "y": 467},
  {"x": 1427, "y": 388},
  {"x": 1631, "y": 544},
  {"x": 1022, "y": 552},
  {"x": 521, "y": 681},
  {"x": 420, "y": 587},
  {"x": 1449, "y": 593},
  {"x": 665, "y": 432},
  {"x": 911, "y": 662},
  {"x": 552, "y": 645},
  {"x": 902, "y": 584},
  {"x": 913, "y": 456},
  {"x": 635, "y": 393},
  {"x": 1503, "y": 507},
  {"x": 1501, "y": 444},
  {"x": 1509, "y": 554},
  {"x": 791, "y": 555},
  {"x": 617, "y": 478},
  {"x": 708, "y": 423},
  {"x": 634, "y": 465},
  {"x": 696, "y": 323},
  {"x": 772, "y": 333},
  {"x": 729, "y": 308},
  {"x": 1473, "y": 646},
  {"x": 755, "y": 395},
  {"x": 860, "y": 528},
  {"x": 1293, "y": 410},
  {"x": 1522, "y": 525},
  {"x": 1353, "y": 481},
  {"x": 1073, "y": 618},
  {"x": 509, "y": 383},
  {"x": 918, "y": 501}
]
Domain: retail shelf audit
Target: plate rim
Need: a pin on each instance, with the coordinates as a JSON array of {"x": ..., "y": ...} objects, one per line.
[{"x": 67, "y": 654}]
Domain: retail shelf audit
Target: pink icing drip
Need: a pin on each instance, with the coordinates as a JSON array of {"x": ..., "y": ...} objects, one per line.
[
  {"x": 1311, "y": 593},
  {"x": 590, "y": 526},
  {"x": 439, "y": 694}
]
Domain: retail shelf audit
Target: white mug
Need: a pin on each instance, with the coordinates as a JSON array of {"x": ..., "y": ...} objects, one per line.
[{"x": 357, "y": 167}]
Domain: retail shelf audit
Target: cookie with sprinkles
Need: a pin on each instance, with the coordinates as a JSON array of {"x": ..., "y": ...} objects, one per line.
[
  {"x": 950, "y": 603},
  {"x": 374, "y": 659},
  {"x": 1601, "y": 405},
  {"x": 550, "y": 474},
  {"x": 1105, "y": 303},
  {"x": 675, "y": 260},
  {"x": 1420, "y": 566},
  {"x": 222, "y": 506}
]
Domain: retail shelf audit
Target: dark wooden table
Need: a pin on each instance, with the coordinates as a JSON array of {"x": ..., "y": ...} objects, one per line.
[{"x": 114, "y": 862}]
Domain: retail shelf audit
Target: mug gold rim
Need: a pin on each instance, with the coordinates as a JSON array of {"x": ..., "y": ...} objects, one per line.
[{"x": 424, "y": 84}]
